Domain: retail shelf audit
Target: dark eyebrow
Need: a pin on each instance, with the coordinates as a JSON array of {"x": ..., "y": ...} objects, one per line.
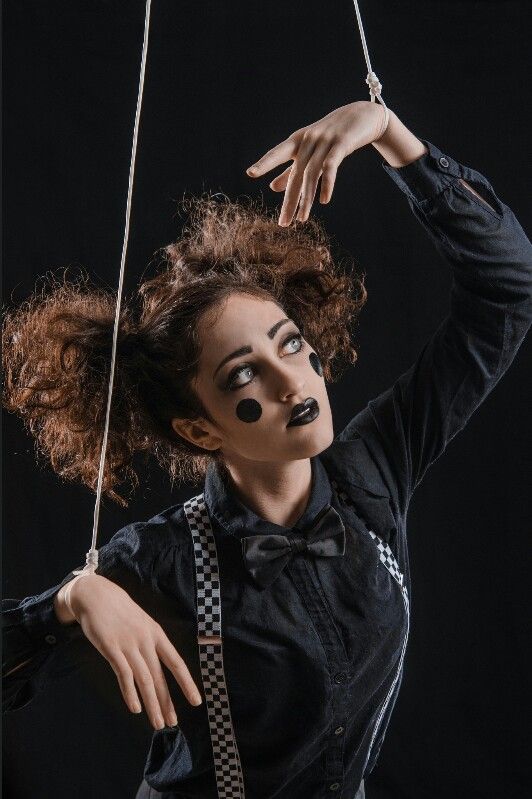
[{"x": 247, "y": 349}]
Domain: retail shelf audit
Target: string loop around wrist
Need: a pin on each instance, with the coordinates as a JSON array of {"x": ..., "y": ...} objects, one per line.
[
  {"x": 68, "y": 590},
  {"x": 384, "y": 124}
]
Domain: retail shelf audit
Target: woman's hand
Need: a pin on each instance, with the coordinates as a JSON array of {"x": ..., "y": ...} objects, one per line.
[
  {"x": 133, "y": 643},
  {"x": 317, "y": 151}
]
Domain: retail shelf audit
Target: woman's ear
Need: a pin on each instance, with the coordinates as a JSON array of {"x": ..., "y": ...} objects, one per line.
[{"x": 197, "y": 431}]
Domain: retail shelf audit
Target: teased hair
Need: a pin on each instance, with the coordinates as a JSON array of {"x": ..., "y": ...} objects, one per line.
[{"x": 57, "y": 344}]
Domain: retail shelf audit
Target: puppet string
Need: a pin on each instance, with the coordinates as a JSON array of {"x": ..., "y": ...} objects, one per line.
[
  {"x": 375, "y": 86},
  {"x": 92, "y": 555},
  {"x": 375, "y": 89}
]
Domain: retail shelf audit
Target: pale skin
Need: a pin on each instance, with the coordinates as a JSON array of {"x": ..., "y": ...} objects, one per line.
[{"x": 268, "y": 463}]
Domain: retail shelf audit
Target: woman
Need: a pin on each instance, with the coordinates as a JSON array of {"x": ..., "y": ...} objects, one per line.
[{"x": 223, "y": 376}]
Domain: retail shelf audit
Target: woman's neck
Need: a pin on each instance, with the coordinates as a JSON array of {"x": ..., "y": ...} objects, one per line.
[{"x": 277, "y": 492}]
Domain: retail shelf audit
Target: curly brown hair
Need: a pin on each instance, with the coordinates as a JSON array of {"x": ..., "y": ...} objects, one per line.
[{"x": 57, "y": 344}]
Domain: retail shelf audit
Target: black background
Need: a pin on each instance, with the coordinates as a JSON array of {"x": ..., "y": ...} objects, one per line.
[{"x": 225, "y": 82}]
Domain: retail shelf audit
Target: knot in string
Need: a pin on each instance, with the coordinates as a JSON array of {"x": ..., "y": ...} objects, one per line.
[
  {"x": 375, "y": 86},
  {"x": 91, "y": 563}
]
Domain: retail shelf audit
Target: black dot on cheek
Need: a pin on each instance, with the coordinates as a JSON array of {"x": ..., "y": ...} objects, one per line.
[
  {"x": 315, "y": 363},
  {"x": 249, "y": 410}
]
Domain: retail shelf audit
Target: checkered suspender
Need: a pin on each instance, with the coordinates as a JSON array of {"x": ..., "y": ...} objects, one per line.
[
  {"x": 388, "y": 560},
  {"x": 229, "y": 777}
]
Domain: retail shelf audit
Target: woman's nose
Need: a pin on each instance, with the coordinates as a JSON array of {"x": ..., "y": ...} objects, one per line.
[{"x": 290, "y": 383}]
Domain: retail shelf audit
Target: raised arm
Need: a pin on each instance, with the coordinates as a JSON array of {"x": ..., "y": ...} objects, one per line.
[
  {"x": 408, "y": 426},
  {"x": 400, "y": 147}
]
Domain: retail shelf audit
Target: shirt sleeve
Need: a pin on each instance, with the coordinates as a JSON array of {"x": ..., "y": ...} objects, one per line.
[
  {"x": 36, "y": 645},
  {"x": 408, "y": 426}
]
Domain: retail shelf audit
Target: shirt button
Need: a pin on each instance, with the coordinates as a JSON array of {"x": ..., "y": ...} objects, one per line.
[
  {"x": 50, "y": 639},
  {"x": 444, "y": 161},
  {"x": 340, "y": 678},
  {"x": 334, "y": 786},
  {"x": 338, "y": 730}
]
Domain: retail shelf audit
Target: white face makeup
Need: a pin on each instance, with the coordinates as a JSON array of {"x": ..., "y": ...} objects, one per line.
[{"x": 255, "y": 367}]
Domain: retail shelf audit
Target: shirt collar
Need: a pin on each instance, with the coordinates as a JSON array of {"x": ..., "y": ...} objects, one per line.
[{"x": 237, "y": 519}]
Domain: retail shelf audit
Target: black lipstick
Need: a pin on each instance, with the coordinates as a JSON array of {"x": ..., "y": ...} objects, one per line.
[{"x": 304, "y": 412}]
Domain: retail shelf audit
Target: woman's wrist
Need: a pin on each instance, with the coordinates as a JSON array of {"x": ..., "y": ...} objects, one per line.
[
  {"x": 63, "y": 601},
  {"x": 398, "y": 145},
  {"x": 61, "y": 607},
  {"x": 384, "y": 114}
]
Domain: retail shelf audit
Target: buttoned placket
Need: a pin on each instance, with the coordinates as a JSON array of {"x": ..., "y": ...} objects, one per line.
[{"x": 302, "y": 572}]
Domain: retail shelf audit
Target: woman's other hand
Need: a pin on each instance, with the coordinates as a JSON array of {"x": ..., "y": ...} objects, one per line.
[
  {"x": 132, "y": 642},
  {"x": 317, "y": 151}
]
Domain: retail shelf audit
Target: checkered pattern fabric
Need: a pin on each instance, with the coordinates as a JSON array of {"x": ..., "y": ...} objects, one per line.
[
  {"x": 388, "y": 560},
  {"x": 228, "y": 770}
]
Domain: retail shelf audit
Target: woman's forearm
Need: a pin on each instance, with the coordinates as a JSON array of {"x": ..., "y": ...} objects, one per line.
[{"x": 398, "y": 145}]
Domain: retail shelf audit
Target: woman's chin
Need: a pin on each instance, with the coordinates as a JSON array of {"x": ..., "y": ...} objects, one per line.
[{"x": 311, "y": 443}]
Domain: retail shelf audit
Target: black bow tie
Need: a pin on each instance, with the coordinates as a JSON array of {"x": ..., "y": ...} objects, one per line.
[{"x": 265, "y": 556}]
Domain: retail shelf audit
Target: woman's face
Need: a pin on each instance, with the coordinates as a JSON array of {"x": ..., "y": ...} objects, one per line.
[{"x": 254, "y": 367}]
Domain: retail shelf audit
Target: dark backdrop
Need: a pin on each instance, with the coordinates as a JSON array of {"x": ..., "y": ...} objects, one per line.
[{"x": 225, "y": 82}]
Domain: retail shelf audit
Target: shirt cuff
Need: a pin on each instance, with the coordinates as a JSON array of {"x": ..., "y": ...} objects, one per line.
[
  {"x": 428, "y": 175},
  {"x": 40, "y": 621}
]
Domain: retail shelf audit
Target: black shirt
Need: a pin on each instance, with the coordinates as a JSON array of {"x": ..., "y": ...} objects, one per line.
[{"x": 313, "y": 664}]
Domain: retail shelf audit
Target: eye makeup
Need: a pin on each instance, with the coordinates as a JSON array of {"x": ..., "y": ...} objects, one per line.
[
  {"x": 247, "y": 348},
  {"x": 315, "y": 363},
  {"x": 231, "y": 384},
  {"x": 249, "y": 410}
]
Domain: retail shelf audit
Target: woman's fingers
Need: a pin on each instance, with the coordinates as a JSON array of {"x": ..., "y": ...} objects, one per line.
[
  {"x": 310, "y": 180},
  {"x": 161, "y": 687},
  {"x": 129, "y": 639},
  {"x": 339, "y": 133},
  {"x": 324, "y": 163},
  {"x": 146, "y": 685},
  {"x": 332, "y": 161},
  {"x": 124, "y": 674},
  {"x": 274, "y": 157},
  {"x": 308, "y": 144},
  {"x": 279, "y": 183},
  {"x": 315, "y": 158},
  {"x": 140, "y": 671},
  {"x": 175, "y": 663}
]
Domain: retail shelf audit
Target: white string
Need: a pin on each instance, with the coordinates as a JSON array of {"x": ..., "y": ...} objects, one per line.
[
  {"x": 375, "y": 89},
  {"x": 92, "y": 555},
  {"x": 375, "y": 86}
]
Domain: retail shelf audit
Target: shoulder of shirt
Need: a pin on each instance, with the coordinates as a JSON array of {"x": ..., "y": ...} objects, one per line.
[
  {"x": 349, "y": 461},
  {"x": 168, "y": 528},
  {"x": 359, "y": 476}
]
